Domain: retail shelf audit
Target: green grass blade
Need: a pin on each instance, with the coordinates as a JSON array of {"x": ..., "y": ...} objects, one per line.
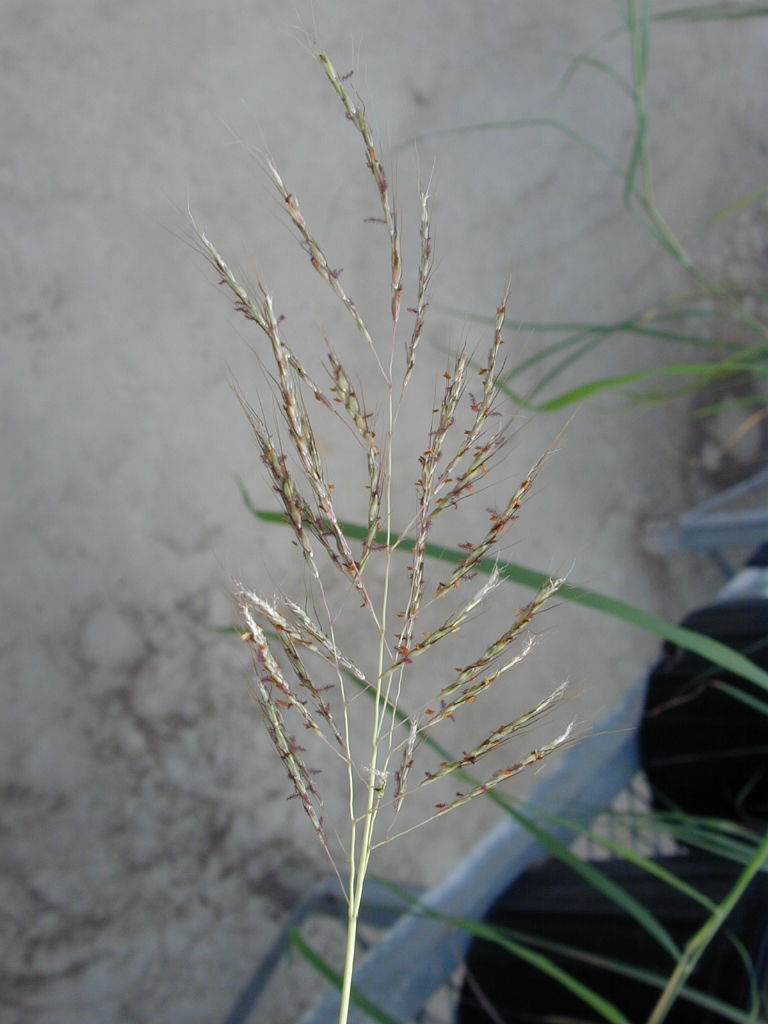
[
  {"x": 598, "y": 1003},
  {"x": 621, "y": 10},
  {"x": 713, "y": 12},
  {"x": 740, "y": 204},
  {"x": 546, "y": 819},
  {"x": 540, "y": 961},
  {"x": 581, "y": 58},
  {"x": 543, "y": 963},
  {"x": 645, "y": 39},
  {"x": 545, "y": 353},
  {"x": 650, "y": 978},
  {"x": 584, "y": 59},
  {"x": 697, "y": 643},
  {"x": 598, "y": 338},
  {"x": 752, "y": 702},
  {"x": 577, "y": 332},
  {"x": 702, "y": 372},
  {"x": 697, "y": 945},
  {"x": 714, "y": 835},
  {"x": 563, "y": 364},
  {"x": 756, "y": 402},
  {"x": 601, "y": 883}
]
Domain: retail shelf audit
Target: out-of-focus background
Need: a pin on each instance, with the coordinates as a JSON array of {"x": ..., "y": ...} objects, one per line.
[{"x": 148, "y": 853}]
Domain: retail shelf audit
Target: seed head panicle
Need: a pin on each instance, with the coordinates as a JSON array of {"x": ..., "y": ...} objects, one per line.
[
  {"x": 454, "y": 388},
  {"x": 483, "y": 409},
  {"x": 269, "y": 670},
  {"x": 453, "y": 464}
]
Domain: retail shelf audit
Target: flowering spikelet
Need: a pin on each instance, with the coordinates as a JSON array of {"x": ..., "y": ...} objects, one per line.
[
  {"x": 406, "y": 763},
  {"x": 503, "y": 774},
  {"x": 269, "y": 669},
  {"x": 289, "y": 638},
  {"x": 299, "y": 426},
  {"x": 497, "y": 738},
  {"x": 497, "y": 649},
  {"x": 316, "y": 255},
  {"x": 345, "y": 394},
  {"x": 246, "y": 305},
  {"x": 429, "y": 461},
  {"x": 470, "y": 693},
  {"x": 452, "y": 624},
  {"x": 483, "y": 409},
  {"x": 297, "y": 510},
  {"x": 327, "y": 648},
  {"x": 356, "y": 114},
  {"x": 499, "y": 522},
  {"x": 422, "y": 305},
  {"x": 289, "y": 755}
]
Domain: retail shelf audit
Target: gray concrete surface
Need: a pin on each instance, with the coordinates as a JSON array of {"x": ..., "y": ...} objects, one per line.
[{"x": 148, "y": 853}]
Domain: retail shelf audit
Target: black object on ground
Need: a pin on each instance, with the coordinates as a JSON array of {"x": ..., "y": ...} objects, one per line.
[
  {"x": 703, "y": 750},
  {"x": 552, "y": 903}
]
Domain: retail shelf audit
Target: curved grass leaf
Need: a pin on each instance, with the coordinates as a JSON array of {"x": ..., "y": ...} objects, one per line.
[
  {"x": 753, "y": 702},
  {"x": 584, "y": 337},
  {"x": 586, "y": 60},
  {"x": 712, "y": 650},
  {"x": 703, "y": 373},
  {"x": 740, "y": 204}
]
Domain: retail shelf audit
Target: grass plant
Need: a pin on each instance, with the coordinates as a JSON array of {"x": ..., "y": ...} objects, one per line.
[{"x": 466, "y": 440}]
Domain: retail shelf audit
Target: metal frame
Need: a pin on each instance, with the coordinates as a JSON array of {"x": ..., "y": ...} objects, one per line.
[{"x": 710, "y": 528}]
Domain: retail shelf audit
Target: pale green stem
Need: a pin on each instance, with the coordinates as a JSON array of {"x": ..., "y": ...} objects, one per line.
[
  {"x": 357, "y": 878},
  {"x": 698, "y": 944}
]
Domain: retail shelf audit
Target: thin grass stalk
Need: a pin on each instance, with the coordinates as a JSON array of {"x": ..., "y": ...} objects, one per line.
[{"x": 697, "y": 945}]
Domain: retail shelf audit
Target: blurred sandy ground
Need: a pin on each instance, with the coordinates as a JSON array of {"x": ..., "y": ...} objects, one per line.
[{"x": 148, "y": 853}]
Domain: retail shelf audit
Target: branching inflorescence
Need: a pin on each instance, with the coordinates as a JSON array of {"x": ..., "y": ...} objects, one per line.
[{"x": 292, "y": 701}]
